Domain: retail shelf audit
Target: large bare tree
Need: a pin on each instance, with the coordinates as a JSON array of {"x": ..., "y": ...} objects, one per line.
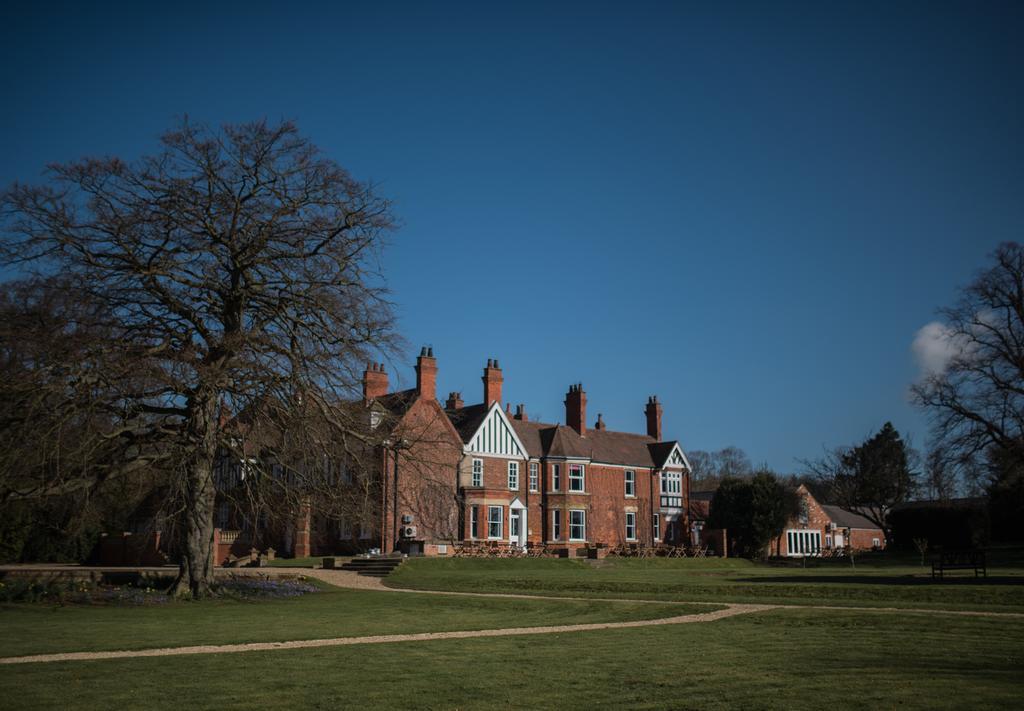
[
  {"x": 975, "y": 393},
  {"x": 976, "y": 396},
  {"x": 231, "y": 269}
]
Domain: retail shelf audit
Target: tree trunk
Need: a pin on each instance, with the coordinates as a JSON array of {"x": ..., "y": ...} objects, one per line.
[{"x": 195, "y": 570}]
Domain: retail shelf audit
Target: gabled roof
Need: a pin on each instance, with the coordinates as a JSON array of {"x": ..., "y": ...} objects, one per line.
[
  {"x": 487, "y": 430},
  {"x": 397, "y": 403},
  {"x": 541, "y": 439},
  {"x": 668, "y": 453},
  {"x": 847, "y": 519},
  {"x": 467, "y": 420}
]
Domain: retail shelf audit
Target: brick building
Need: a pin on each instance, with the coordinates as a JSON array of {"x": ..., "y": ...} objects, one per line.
[
  {"x": 820, "y": 528},
  {"x": 455, "y": 472},
  {"x": 565, "y": 485},
  {"x": 479, "y": 472}
]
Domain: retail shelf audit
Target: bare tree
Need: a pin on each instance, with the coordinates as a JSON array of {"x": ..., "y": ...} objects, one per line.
[
  {"x": 939, "y": 480},
  {"x": 975, "y": 397},
  {"x": 231, "y": 269},
  {"x": 710, "y": 468}
]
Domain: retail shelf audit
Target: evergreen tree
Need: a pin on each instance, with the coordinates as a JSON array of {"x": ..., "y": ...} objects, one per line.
[{"x": 754, "y": 511}]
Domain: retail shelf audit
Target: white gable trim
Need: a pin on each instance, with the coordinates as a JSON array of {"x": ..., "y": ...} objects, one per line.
[
  {"x": 676, "y": 458},
  {"x": 496, "y": 437}
]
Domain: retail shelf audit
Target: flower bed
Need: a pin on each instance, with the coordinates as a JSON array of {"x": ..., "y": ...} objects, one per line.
[{"x": 55, "y": 591}]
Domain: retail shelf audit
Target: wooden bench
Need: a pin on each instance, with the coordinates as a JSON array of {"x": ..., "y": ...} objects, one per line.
[{"x": 959, "y": 560}]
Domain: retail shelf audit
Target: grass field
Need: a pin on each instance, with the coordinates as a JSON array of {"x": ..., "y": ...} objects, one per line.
[
  {"x": 879, "y": 584},
  {"x": 39, "y": 629},
  {"x": 792, "y": 658},
  {"x": 785, "y": 659}
]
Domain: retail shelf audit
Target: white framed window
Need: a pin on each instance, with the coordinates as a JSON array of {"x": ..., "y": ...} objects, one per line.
[
  {"x": 556, "y": 477},
  {"x": 534, "y": 476},
  {"x": 657, "y": 526},
  {"x": 513, "y": 475},
  {"x": 494, "y": 516},
  {"x": 630, "y": 483},
  {"x": 474, "y": 521},
  {"x": 803, "y": 543},
  {"x": 556, "y": 525},
  {"x": 630, "y": 526},
  {"x": 671, "y": 489},
  {"x": 671, "y": 483},
  {"x": 576, "y": 478},
  {"x": 577, "y": 525},
  {"x": 478, "y": 472},
  {"x": 828, "y": 540},
  {"x": 876, "y": 543}
]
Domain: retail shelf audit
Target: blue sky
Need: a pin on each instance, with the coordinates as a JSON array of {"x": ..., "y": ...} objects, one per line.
[{"x": 746, "y": 209}]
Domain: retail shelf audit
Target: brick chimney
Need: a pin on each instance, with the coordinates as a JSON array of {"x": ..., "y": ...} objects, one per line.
[
  {"x": 576, "y": 409},
  {"x": 492, "y": 382},
  {"x": 375, "y": 381},
  {"x": 521, "y": 413},
  {"x": 599, "y": 425},
  {"x": 426, "y": 374},
  {"x": 653, "y": 412},
  {"x": 454, "y": 401}
]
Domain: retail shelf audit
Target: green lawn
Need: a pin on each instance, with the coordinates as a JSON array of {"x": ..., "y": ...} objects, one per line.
[
  {"x": 785, "y": 659},
  {"x": 38, "y": 628},
  {"x": 881, "y": 583}
]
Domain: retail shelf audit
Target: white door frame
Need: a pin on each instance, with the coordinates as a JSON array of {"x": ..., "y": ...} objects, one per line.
[{"x": 517, "y": 509}]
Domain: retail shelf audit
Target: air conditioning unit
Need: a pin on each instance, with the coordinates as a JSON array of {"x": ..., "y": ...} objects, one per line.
[
  {"x": 408, "y": 531},
  {"x": 407, "y": 518},
  {"x": 832, "y": 525}
]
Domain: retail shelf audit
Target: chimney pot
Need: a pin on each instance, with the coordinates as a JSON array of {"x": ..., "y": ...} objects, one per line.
[
  {"x": 576, "y": 409},
  {"x": 653, "y": 412},
  {"x": 492, "y": 382},
  {"x": 375, "y": 382},
  {"x": 426, "y": 375}
]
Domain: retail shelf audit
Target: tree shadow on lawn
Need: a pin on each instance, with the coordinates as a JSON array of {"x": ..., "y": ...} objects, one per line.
[{"x": 909, "y": 580}]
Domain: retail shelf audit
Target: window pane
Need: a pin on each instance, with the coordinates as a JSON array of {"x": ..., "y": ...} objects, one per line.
[{"x": 494, "y": 522}]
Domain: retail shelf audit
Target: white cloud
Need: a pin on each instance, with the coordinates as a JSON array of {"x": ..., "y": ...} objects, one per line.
[{"x": 934, "y": 346}]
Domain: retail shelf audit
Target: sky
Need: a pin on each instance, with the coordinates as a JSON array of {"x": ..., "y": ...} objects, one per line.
[{"x": 750, "y": 210}]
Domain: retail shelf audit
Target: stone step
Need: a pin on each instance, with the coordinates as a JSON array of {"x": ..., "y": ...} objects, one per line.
[{"x": 372, "y": 567}]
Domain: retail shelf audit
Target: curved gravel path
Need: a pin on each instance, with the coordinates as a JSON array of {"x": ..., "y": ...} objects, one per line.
[
  {"x": 381, "y": 639},
  {"x": 347, "y": 579}
]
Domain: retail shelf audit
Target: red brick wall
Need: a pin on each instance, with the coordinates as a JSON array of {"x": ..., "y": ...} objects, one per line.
[
  {"x": 863, "y": 539},
  {"x": 817, "y": 520},
  {"x": 427, "y": 477}
]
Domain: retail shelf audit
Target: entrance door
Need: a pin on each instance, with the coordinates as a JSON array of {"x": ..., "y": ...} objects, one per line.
[{"x": 515, "y": 526}]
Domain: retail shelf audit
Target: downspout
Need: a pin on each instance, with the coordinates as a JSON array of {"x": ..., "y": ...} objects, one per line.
[
  {"x": 460, "y": 499},
  {"x": 384, "y": 501},
  {"x": 394, "y": 496},
  {"x": 650, "y": 488}
]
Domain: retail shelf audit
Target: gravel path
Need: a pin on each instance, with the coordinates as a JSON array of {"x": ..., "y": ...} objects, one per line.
[
  {"x": 381, "y": 639},
  {"x": 347, "y": 579}
]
